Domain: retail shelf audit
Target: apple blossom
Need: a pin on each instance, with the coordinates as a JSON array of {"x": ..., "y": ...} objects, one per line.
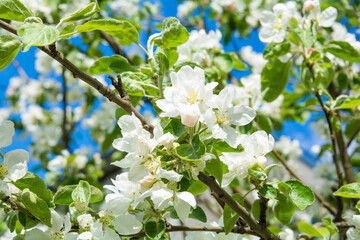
[{"x": 325, "y": 18}]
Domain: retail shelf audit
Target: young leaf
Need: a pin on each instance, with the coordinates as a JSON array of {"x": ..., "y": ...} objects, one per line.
[
  {"x": 82, "y": 192},
  {"x": 192, "y": 152},
  {"x": 351, "y": 190},
  {"x": 113, "y": 64},
  {"x": 198, "y": 214},
  {"x": 283, "y": 209},
  {"x": 214, "y": 167},
  {"x": 36, "y": 185},
  {"x": 173, "y": 33},
  {"x": 154, "y": 229},
  {"x": 121, "y": 29},
  {"x": 68, "y": 31},
  {"x": 14, "y": 10},
  {"x": 330, "y": 225},
  {"x": 63, "y": 195},
  {"x": 275, "y": 50},
  {"x": 343, "y": 50},
  {"x": 82, "y": 13},
  {"x": 132, "y": 84},
  {"x": 175, "y": 127},
  {"x": 225, "y": 147},
  {"x": 302, "y": 196},
  {"x": 197, "y": 187},
  {"x": 237, "y": 63},
  {"x": 230, "y": 216},
  {"x": 309, "y": 229},
  {"x": 274, "y": 78},
  {"x": 36, "y": 206},
  {"x": 10, "y": 47},
  {"x": 256, "y": 172},
  {"x": 268, "y": 191},
  {"x": 350, "y": 102},
  {"x": 37, "y": 34},
  {"x": 224, "y": 62},
  {"x": 255, "y": 209}
]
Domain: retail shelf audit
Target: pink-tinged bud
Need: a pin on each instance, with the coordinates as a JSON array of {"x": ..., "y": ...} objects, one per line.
[
  {"x": 147, "y": 181},
  {"x": 190, "y": 115},
  {"x": 308, "y": 6}
]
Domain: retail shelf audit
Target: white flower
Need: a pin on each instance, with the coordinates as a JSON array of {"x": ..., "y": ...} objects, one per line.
[
  {"x": 290, "y": 148},
  {"x": 254, "y": 59},
  {"x": 237, "y": 163},
  {"x": 59, "y": 162},
  {"x": 188, "y": 92},
  {"x": 224, "y": 114},
  {"x": 7, "y": 131},
  {"x": 14, "y": 165},
  {"x": 185, "y": 9},
  {"x": 274, "y": 24},
  {"x": 85, "y": 220},
  {"x": 354, "y": 233},
  {"x": 60, "y": 228},
  {"x": 287, "y": 234},
  {"x": 325, "y": 18}
]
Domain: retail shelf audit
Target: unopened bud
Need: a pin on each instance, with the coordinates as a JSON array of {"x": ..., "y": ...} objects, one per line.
[
  {"x": 308, "y": 6},
  {"x": 190, "y": 115}
]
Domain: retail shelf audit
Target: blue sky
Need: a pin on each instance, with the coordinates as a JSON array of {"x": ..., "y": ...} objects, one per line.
[{"x": 294, "y": 130}]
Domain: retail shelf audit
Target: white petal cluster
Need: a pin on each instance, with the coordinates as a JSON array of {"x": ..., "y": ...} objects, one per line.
[
  {"x": 195, "y": 49},
  {"x": 14, "y": 164},
  {"x": 188, "y": 97},
  {"x": 325, "y": 18},
  {"x": 354, "y": 233},
  {"x": 274, "y": 23},
  {"x": 256, "y": 146}
]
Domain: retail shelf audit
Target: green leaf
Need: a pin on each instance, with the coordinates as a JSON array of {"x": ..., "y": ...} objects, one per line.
[
  {"x": 237, "y": 63},
  {"x": 274, "y": 78},
  {"x": 283, "y": 209},
  {"x": 11, "y": 219},
  {"x": 310, "y": 230},
  {"x": 264, "y": 122},
  {"x": 173, "y": 33},
  {"x": 177, "y": 67},
  {"x": 160, "y": 62},
  {"x": 192, "y": 152},
  {"x": 350, "y": 102},
  {"x": 197, "y": 187},
  {"x": 172, "y": 56},
  {"x": 36, "y": 185},
  {"x": 225, "y": 147},
  {"x": 224, "y": 62},
  {"x": 175, "y": 127},
  {"x": 270, "y": 167},
  {"x": 302, "y": 196},
  {"x": 214, "y": 167},
  {"x": 37, "y": 34},
  {"x": 330, "y": 226},
  {"x": 268, "y": 191},
  {"x": 14, "y": 10},
  {"x": 113, "y": 64},
  {"x": 343, "y": 50},
  {"x": 275, "y": 50},
  {"x": 82, "y": 13},
  {"x": 256, "y": 172},
  {"x": 68, "y": 31},
  {"x": 82, "y": 192},
  {"x": 230, "y": 216},
  {"x": 198, "y": 214},
  {"x": 132, "y": 84},
  {"x": 10, "y": 47},
  {"x": 121, "y": 29},
  {"x": 351, "y": 190},
  {"x": 155, "y": 229},
  {"x": 255, "y": 209},
  {"x": 63, "y": 195},
  {"x": 27, "y": 221},
  {"x": 36, "y": 206}
]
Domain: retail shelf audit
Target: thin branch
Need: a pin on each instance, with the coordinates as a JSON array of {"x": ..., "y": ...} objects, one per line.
[
  {"x": 263, "y": 208},
  {"x": 104, "y": 90},
  {"x": 237, "y": 229},
  {"x": 15, "y": 206},
  {"x": 119, "y": 86},
  {"x": 21, "y": 71},
  {"x": 224, "y": 196},
  {"x": 114, "y": 45},
  {"x": 321, "y": 200}
]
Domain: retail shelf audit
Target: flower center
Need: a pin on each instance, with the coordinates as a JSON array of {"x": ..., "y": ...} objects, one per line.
[
  {"x": 278, "y": 25},
  {"x": 80, "y": 205},
  {"x": 193, "y": 97},
  {"x": 3, "y": 171},
  {"x": 106, "y": 218},
  {"x": 57, "y": 235},
  {"x": 221, "y": 118}
]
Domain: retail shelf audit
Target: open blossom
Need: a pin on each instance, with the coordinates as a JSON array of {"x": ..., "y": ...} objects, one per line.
[
  {"x": 274, "y": 24},
  {"x": 223, "y": 114},
  {"x": 188, "y": 92},
  {"x": 325, "y": 18},
  {"x": 354, "y": 233},
  {"x": 256, "y": 146}
]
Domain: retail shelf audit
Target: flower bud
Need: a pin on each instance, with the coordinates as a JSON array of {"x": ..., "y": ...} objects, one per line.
[
  {"x": 167, "y": 140},
  {"x": 85, "y": 220},
  {"x": 190, "y": 115},
  {"x": 308, "y": 6},
  {"x": 147, "y": 181}
]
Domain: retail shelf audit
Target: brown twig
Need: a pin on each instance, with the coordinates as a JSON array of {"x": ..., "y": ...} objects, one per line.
[
  {"x": 114, "y": 45},
  {"x": 225, "y": 197},
  {"x": 118, "y": 84},
  {"x": 319, "y": 198},
  {"x": 104, "y": 90}
]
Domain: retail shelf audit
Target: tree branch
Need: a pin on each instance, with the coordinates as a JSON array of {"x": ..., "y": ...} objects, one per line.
[
  {"x": 104, "y": 90},
  {"x": 224, "y": 196},
  {"x": 321, "y": 200},
  {"x": 353, "y": 136}
]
